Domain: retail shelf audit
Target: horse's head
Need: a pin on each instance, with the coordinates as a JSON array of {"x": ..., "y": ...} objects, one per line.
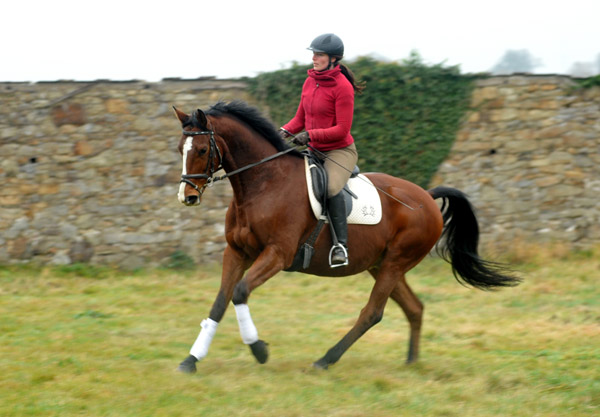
[{"x": 201, "y": 156}]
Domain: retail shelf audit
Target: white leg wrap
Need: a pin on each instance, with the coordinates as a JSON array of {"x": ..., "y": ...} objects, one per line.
[
  {"x": 200, "y": 347},
  {"x": 247, "y": 327}
]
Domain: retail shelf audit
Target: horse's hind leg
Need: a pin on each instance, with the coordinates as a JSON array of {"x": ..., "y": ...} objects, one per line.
[
  {"x": 370, "y": 315},
  {"x": 413, "y": 309}
]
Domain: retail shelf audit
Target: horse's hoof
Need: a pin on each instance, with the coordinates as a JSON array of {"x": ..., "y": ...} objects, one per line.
[
  {"x": 260, "y": 351},
  {"x": 188, "y": 366},
  {"x": 321, "y": 365}
]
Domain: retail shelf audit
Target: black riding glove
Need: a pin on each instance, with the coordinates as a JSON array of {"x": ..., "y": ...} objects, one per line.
[
  {"x": 301, "y": 139},
  {"x": 284, "y": 133}
]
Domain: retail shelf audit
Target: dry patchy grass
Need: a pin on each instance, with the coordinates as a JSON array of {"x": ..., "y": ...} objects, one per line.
[{"x": 97, "y": 342}]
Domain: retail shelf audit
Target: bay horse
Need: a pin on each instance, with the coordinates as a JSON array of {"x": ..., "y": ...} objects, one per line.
[{"x": 269, "y": 218}]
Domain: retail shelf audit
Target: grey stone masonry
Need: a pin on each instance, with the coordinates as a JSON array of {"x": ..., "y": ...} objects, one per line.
[
  {"x": 89, "y": 171},
  {"x": 528, "y": 155}
]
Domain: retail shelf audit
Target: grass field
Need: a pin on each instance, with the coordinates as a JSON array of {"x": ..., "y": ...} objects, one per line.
[{"x": 82, "y": 341}]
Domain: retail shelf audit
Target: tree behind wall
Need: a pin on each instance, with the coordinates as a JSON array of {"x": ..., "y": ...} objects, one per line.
[
  {"x": 516, "y": 61},
  {"x": 582, "y": 69}
]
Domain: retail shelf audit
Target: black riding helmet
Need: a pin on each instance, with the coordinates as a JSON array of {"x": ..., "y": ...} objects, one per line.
[{"x": 328, "y": 43}]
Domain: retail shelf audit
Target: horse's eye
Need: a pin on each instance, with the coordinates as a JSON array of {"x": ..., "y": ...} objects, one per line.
[{"x": 202, "y": 151}]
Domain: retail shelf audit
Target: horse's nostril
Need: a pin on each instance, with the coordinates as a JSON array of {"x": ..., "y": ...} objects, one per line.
[{"x": 191, "y": 199}]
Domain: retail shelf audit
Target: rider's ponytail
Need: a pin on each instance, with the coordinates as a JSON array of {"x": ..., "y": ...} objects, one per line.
[{"x": 358, "y": 86}]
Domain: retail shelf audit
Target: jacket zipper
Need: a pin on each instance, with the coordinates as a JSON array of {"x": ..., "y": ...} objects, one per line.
[{"x": 311, "y": 106}]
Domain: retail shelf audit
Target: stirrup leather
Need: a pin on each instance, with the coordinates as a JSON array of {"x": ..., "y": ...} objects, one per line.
[{"x": 331, "y": 264}]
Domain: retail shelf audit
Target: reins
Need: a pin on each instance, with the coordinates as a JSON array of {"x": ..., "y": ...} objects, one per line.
[{"x": 209, "y": 176}]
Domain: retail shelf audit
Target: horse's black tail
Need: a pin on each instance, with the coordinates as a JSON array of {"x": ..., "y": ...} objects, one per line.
[{"x": 461, "y": 236}]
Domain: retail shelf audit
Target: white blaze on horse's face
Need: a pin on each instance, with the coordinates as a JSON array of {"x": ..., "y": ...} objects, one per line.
[{"x": 187, "y": 147}]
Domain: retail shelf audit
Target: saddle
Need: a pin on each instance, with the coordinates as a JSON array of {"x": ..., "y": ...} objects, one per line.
[
  {"x": 363, "y": 205},
  {"x": 317, "y": 177}
]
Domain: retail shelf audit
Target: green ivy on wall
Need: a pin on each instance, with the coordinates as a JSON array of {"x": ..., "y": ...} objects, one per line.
[
  {"x": 405, "y": 121},
  {"x": 589, "y": 82}
]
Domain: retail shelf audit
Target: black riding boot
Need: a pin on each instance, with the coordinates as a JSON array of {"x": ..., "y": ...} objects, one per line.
[{"x": 337, "y": 213}]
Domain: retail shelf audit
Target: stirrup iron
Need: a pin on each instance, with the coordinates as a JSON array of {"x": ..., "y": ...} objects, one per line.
[{"x": 338, "y": 245}]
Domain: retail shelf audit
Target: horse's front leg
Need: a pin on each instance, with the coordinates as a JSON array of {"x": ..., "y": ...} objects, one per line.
[
  {"x": 233, "y": 269},
  {"x": 266, "y": 265}
]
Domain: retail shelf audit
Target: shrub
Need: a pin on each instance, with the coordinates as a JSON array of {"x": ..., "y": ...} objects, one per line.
[{"x": 404, "y": 122}]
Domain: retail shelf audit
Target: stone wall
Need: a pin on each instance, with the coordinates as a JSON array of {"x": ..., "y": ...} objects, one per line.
[
  {"x": 90, "y": 171},
  {"x": 528, "y": 155}
]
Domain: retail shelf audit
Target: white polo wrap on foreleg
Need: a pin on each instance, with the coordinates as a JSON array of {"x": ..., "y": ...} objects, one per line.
[
  {"x": 247, "y": 327},
  {"x": 200, "y": 347}
]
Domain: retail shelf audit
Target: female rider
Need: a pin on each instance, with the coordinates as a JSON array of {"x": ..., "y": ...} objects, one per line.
[{"x": 325, "y": 113}]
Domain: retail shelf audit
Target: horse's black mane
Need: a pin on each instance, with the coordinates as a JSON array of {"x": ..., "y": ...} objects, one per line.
[{"x": 252, "y": 117}]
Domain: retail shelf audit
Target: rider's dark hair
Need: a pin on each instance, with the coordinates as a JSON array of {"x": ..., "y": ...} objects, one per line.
[{"x": 358, "y": 86}]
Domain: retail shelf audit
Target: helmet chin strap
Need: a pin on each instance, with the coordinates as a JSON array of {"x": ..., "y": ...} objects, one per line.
[{"x": 331, "y": 64}]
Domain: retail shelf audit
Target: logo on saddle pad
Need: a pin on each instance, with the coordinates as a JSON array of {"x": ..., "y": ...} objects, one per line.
[{"x": 363, "y": 204}]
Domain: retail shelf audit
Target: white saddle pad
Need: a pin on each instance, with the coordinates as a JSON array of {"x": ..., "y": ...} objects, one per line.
[{"x": 365, "y": 210}]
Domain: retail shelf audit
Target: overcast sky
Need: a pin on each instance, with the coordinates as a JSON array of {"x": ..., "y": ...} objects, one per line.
[{"x": 150, "y": 40}]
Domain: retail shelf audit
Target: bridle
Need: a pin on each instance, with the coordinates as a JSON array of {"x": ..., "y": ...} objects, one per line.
[{"x": 210, "y": 170}]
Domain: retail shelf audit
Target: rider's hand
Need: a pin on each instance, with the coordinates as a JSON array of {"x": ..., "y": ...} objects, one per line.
[
  {"x": 301, "y": 139},
  {"x": 284, "y": 133}
]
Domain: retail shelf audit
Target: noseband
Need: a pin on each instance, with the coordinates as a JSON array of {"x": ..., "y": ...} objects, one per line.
[
  {"x": 210, "y": 170},
  {"x": 210, "y": 165}
]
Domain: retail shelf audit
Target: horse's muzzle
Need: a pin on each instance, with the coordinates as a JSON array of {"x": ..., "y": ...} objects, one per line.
[{"x": 191, "y": 200}]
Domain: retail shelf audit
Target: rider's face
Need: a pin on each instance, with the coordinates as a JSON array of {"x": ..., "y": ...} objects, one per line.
[{"x": 321, "y": 61}]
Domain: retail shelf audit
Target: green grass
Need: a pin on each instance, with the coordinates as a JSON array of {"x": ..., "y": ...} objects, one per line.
[{"x": 83, "y": 341}]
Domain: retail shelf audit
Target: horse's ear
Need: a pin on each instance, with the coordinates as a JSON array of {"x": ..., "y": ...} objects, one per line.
[
  {"x": 201, "y": 117},
  {"x": 181, "y": 115}
]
